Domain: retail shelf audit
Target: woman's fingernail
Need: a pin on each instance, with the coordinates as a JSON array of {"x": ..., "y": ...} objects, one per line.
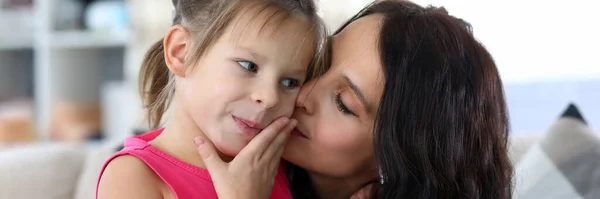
[
  {"x": 286, "y": 120},
  {"x": 199, "y": 141},
  {"x": 293, "y": 122}
]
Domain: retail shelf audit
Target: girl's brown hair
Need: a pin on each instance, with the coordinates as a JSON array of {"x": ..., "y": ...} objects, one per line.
[{"x": 206, "y": 20}]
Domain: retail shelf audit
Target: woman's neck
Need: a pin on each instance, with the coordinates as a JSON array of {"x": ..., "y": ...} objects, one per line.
[
  {"x": 339, "y": 188},
  {"x": 177, "y": 139}
]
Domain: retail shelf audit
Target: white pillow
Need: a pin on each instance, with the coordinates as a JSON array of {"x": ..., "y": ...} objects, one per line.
[
  {"x": 564, "y": 164},
  {"x": 41, "y": 171},
  {"x": 86, "y": 187},
  {"x": 519, "y": 144}
]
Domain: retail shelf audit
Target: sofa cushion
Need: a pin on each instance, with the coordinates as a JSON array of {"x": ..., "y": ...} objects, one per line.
[
  {"x": 86, "y": 186},
  {"x": 41, "y": 171},
  {"x": 564, "y": 164},
  {"x": 519, "y": 144}
]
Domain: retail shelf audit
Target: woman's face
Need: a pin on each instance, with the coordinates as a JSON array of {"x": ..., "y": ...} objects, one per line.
[{"x": 336, "y": 111}]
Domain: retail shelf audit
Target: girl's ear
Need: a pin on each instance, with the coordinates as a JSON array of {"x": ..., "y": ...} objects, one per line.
[{"x": 176, "y": 43}]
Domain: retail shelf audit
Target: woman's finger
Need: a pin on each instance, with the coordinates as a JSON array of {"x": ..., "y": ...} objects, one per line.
[
  {"x": 278, "y": 143},
  {"x": 210, "y": 157},
  {"x": 257, "y": 146}
]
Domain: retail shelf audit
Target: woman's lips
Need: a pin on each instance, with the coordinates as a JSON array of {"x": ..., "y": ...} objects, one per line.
[
  {"x": 298, "y": 133},
  {"x": 246, "y": 126}
]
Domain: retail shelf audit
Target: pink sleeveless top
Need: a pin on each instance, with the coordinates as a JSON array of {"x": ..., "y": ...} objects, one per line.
[{"x": 185, "y": 180}]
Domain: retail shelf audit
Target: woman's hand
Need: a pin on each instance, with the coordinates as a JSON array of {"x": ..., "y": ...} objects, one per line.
[{"x": 251, "y": 174}]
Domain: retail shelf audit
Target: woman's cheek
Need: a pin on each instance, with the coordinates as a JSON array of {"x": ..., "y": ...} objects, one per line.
[{"x": 342, "y": 139}]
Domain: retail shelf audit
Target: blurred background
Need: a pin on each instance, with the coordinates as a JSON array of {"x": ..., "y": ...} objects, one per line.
[{"x": 68, "y": 68}]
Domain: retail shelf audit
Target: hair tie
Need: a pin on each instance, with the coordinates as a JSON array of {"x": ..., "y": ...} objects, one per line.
[{"x": 176, "y": 17}]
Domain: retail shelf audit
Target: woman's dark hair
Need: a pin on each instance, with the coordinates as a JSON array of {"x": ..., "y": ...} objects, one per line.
[{"x": 442, "y": 126}]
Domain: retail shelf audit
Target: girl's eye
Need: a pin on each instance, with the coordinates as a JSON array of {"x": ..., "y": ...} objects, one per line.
[
  {"x": 341, "y": 106},
  {"x": 249, "y": 66},
  {"x": 290, "y": 83}
]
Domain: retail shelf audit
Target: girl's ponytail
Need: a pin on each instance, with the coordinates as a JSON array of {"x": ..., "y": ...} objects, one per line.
[{"x": 156, "y": 86}]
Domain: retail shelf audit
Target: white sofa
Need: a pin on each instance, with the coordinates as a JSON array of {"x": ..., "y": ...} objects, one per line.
[
  {"x": 55, "y": 171},
  {"x": 52, "y": 171}
]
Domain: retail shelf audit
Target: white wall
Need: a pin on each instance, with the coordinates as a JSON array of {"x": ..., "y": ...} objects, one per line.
[
  {"x": 547, "y": 53},
  {"x": 336, "y": 12},
  {"x": 535, "y": 40},
  {"x": 531, "y": 40}
]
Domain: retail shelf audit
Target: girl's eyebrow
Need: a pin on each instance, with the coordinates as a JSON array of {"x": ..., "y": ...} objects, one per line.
[
  {"x": 261, "y": 59},
  {"x": 256, "y": 56}
]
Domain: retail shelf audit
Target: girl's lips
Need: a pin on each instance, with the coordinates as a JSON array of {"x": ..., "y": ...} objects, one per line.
[
  {"x": 250, "y": 123},
  {"x": 246, "y": 127}
]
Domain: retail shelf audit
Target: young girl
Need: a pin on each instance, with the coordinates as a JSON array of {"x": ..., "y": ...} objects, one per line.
[{"x": 231, "y": 67}]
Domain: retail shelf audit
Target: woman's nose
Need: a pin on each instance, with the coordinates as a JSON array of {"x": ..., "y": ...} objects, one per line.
[{"x": 306, "y": 98}]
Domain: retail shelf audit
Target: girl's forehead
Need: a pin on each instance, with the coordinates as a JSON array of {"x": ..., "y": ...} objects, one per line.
[
  {"x": 266, "y": 20},
  {"x": 267, "y": 34}
]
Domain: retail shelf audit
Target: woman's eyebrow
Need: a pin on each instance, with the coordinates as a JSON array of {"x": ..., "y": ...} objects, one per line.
[{"x": 358, "y": 93}]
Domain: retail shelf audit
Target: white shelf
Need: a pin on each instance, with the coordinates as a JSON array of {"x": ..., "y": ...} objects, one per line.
[
  {"x": 16, "y": 41},
  {"x": 87, "y": 39},
  {"x": 71, "y": 65},
  {"x": 16, "y": 30}
]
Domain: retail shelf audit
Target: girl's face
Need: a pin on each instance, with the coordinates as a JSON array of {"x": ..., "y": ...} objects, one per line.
[
  {"x": 248, "y": 78},
  {"x": 336, "y": 112}
]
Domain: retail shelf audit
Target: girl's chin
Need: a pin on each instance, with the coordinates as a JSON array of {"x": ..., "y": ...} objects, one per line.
[{"x": 228, "y": 152}]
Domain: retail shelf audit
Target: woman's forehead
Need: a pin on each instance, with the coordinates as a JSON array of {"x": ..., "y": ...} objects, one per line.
[
  {"x": 356, "y": 56},
  {"x": 358, "y": 43}
]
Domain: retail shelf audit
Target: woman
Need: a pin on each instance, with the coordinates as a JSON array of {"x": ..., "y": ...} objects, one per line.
[{"x": 411, "y": 107}]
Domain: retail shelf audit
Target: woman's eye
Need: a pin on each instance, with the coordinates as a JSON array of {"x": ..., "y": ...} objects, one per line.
[
  {"x": 290, "y": 83},
  {"x": 249, "y": 66},
  {"x": 341, "y": 106}
]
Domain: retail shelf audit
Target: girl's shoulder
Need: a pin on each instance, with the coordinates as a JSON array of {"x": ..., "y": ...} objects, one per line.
[{"x": 126, "y": 176}]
